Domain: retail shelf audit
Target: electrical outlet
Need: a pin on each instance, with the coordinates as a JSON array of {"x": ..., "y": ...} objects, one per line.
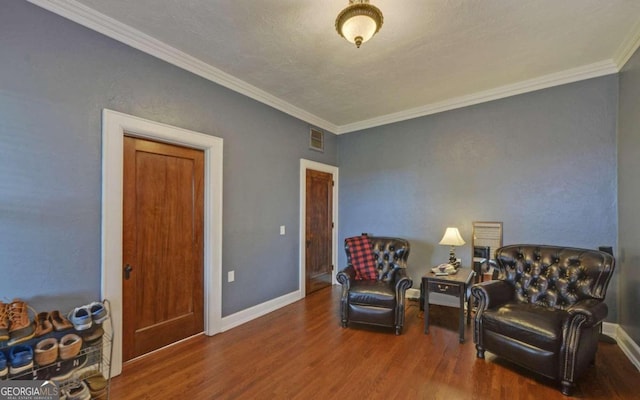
[
  {"x": 231, "y": 276},
  {"x": 282, "y": 229}
]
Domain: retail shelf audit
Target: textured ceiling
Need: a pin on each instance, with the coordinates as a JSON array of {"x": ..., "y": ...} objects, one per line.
[{"x": 428, "y": 52}]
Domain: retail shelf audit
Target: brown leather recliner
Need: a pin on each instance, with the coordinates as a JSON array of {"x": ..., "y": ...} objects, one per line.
[
  {"x": 545, "y": 310},
  {"x": 381, "y": 301}
]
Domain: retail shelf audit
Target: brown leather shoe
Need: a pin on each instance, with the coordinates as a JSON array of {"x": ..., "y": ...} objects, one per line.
[
  {"x": 94, "y": 380},
  {"x": 21, "y": 328},
  {"x": 69, "y": 346},
  {"x": 4, "y": 321},
  {"x": 46, "y": 351},
  {"x": 98, "y": 394},
  {"x": 43, "y": 325},
  {"x": 92, "y": 336},
  {"x": 59, "y": 321}
]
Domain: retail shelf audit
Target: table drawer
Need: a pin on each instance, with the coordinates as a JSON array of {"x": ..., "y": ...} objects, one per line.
[
  {"x": 452, "y": 289},
  {"x": 439, "y": 299}
]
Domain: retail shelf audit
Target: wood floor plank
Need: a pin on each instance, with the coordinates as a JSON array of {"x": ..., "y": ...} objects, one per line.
[{"x": 301, "y": 352}]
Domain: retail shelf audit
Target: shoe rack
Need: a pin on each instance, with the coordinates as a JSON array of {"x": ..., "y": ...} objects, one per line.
[{"x": 80, "y": 371}]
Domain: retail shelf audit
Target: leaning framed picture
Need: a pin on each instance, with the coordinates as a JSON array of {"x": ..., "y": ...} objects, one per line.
[{"x": 486, "y": 238}]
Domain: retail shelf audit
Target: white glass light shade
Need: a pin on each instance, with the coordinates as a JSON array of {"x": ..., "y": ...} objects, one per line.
[
  {"x": 359, "y": 21},
  {"x": 452, "y": 237},
  {"x": 361, "y": 26}
]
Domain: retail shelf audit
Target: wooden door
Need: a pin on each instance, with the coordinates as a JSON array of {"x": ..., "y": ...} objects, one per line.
[
  {"x": 163, "y": 252},
  {"x": 319, "y": 230}
]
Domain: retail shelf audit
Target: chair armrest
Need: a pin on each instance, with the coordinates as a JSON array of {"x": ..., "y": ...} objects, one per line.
[
  {"x": 594, "y": 310},
  {"x": 402, "y": 281},
  {"x": 492, "y": 294},
  {"x": 346, "y": 276}
]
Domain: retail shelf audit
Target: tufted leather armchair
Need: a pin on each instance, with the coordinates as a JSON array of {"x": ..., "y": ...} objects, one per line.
[
  {"x": 379, "y": 302},
  {"x": 545, "y": 310}
]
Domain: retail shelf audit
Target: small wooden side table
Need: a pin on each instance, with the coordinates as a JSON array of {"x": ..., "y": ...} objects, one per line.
[{"x": 450, "y": 291}]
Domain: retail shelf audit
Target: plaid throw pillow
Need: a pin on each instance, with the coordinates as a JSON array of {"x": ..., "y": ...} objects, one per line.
[{"x": 361, "y": 256}]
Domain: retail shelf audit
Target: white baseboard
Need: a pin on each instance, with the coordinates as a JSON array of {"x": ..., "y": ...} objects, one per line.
[
  {"x": 241, "y": 317},
  {"x": 627, "y": 345},
  {"x": 610, "y": 329},
  {"x": 413, "y": 294}
]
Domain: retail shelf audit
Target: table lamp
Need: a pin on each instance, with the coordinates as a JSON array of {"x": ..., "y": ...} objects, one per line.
[{"x": 452, "y": 238}]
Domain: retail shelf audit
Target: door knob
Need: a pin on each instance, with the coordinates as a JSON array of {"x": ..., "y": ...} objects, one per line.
[{"x": 127, "y": 271}]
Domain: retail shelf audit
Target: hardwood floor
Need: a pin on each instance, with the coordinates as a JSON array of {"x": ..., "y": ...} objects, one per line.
[{"x": 301, "y": 352}]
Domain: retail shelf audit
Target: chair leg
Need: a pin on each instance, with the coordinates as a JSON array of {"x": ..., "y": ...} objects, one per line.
[
  {"x": 344, "y": 324},
  {"x": 398, "y": 330},
  {"x": 566, "y": 388},
  {"x": 479, "y": 351}
]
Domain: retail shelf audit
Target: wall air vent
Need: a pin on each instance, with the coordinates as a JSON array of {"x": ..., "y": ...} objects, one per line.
[{"x": 316, "y": 140}]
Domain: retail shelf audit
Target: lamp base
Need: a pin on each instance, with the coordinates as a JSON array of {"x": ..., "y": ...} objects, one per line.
[{"x": 452, "y": 258}]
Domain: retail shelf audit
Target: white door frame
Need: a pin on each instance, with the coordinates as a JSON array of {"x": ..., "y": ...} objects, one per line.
[
  {"x": 114, "y": 126},
  {"x": 304, "y": 165}
]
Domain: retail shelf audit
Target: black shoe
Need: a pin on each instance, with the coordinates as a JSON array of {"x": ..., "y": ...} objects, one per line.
[
  {"x": 61, "y": 371},
  {"x": 45, "y": 373},
  {"x": 64, "y": 369}
]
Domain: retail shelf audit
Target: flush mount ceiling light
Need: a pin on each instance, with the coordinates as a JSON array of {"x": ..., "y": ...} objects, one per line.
[{"x": 359, "y": 21}]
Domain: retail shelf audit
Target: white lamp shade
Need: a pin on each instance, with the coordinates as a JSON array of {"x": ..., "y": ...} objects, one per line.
[
  {"x": 359, "y": 21},
  {"x": 452, "y": 237},
  {"x": 359, "y": 25}
]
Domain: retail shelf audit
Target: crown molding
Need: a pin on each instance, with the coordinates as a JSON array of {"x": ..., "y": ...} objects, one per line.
[
  {"x": 559, "y": 78},
  {"x": 90, "y": 18},
  {"x": 628, "y": 47}
]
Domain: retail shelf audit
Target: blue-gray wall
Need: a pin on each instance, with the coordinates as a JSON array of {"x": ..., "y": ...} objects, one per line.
[
  {"x": 543, "y": 163},
  {"x": 55, "y": 78},
  {"x": 629, "y": 197}
]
